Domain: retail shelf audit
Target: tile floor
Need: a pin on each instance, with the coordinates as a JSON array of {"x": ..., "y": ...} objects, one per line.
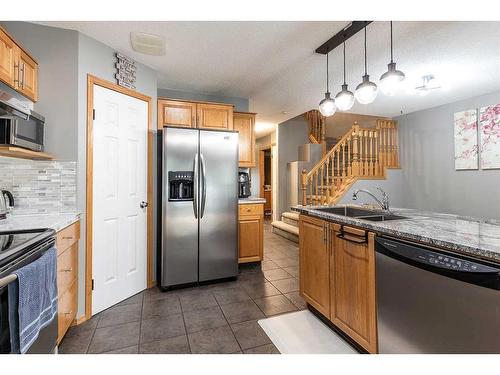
[{"x": 217, "y": 318}]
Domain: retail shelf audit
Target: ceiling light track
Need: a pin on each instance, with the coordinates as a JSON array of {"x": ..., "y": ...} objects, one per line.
[{"x": 339, "y": 38}]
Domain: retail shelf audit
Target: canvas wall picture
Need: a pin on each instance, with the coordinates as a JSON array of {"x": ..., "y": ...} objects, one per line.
[
  {"x": 466, "y": 142},
  {"x": 490, "y": 136}
]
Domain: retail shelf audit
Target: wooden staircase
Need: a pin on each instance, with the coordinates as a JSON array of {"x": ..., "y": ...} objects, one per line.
[{"x": 360, "y": 154}]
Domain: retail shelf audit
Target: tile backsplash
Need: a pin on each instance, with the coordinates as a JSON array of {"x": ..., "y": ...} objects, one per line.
[{"x": 39, "y": 187}]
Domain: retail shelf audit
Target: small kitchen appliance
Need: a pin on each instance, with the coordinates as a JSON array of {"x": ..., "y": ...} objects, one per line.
[
  {"x": 6, "y": 200},
  {"x": 244, "y": 184}
]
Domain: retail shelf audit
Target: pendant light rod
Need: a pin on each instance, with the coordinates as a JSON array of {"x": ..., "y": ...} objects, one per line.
[
  {"x": 327, "y": 77},
  {"x": 366, "y": 70},
  {"x": 391, "y": 45},
  {"x": 344, "y": 62},
  {"x": 347, "y": 32}
]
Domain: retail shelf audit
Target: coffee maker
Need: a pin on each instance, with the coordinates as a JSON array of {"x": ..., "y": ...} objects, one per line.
[{"x": 244, "y": 184}]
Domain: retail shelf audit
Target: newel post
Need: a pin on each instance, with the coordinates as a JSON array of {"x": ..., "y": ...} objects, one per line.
[
  {"x": 355, "y": 149},
  {"x": 303, "y": 186}
]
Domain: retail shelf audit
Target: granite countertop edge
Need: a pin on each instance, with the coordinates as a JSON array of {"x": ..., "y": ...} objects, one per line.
[
  {"x": 251, "y": 200},
  {"x": 37, "y": 221},
  {"x": 417, "y": 218}
]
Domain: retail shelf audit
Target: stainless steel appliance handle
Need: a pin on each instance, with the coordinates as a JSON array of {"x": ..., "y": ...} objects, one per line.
[
  {"x": 7, "y": 280},
  {"x": 195, "y": 185},
  {"x": 204, "y": 186}
]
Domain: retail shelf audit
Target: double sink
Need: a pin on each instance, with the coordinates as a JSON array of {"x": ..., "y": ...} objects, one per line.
[{"x": 361, "y": 213}]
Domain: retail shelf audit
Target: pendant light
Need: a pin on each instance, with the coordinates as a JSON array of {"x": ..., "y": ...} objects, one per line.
[
  {"x": 327, "y": 105},
  {"x": 344, "y": 100},
  {"x": 391, "y": 80},
  {"x": 366, "y": 91}
]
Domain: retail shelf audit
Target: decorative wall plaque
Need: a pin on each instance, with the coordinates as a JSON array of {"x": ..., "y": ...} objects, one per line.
[{"x": 125, "y": 71}]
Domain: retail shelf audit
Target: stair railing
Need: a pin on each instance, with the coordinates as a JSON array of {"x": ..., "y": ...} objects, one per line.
[
  {"x": 361, "y": 152},
  {"x": 316, "y": 124}
]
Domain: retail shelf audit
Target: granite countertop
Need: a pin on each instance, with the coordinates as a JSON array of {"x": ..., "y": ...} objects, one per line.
[
  {"x": 467, "y": 235},
  {"x": 251, "y": 200},
  {"x": 53, "y": 221}
]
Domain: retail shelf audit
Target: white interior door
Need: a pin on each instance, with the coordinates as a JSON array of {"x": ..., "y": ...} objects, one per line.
[{"x": 119, "y": 253}]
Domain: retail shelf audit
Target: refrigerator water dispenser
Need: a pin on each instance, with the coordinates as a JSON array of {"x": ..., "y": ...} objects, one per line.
[{"x": 180, "y": 186}]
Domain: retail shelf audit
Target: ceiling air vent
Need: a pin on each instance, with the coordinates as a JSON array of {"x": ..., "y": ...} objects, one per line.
[{"x": 148, "y": 44}]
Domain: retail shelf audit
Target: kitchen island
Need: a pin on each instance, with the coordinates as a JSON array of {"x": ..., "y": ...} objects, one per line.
[
  {"x": 461, "y": 234},
  {"x": 364, "y": 295}
]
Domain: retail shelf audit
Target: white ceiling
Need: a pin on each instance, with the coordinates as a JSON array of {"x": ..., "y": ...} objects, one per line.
[{"x": 274, "y": 64}]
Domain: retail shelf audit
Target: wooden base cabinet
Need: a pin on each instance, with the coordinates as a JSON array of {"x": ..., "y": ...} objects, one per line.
[
  {"x": 314, "y": 263},
  {"x": 67, "y": 277},
  {"x": 352, "y": 288},
  {"x": 337, "y": 277},
  {"x": 251, "y": 233}
]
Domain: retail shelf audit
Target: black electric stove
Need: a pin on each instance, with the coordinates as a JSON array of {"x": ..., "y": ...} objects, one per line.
[
  {"x": 15, "y": 244},
  {"x": 17, "y": 249}
]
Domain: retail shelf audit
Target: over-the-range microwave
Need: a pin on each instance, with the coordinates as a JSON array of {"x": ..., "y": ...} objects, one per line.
[{"x": 21, "y": 129}]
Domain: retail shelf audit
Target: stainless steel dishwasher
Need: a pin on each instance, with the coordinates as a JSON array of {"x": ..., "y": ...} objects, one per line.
[{"x": 430, "y": 301}]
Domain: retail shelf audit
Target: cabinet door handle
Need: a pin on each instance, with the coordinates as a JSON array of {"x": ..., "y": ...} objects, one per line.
[
  {"x": 67, "y": 237},
  {"x": 353, "y": 238},
  {"x": 22, "y": 76},
  {"x": 18, "y": 79},
  {"x": 67, "y": 270},
  {"x": 324, "y": 233}
]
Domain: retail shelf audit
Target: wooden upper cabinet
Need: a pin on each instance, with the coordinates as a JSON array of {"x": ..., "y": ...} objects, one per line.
[
  {"x": 314, "y": 263},
  {"x": 244, "y": 124},
  {"x": 176, "y": 113},
  {"x": 17, "y": 68},
  {"x": 353, "y": 287},
  {"x": 194, "y": 115},
  {"x": 7, "y": 59},
  {"x": 28, "y": 76},
  {"x": 214, "y": 116}
]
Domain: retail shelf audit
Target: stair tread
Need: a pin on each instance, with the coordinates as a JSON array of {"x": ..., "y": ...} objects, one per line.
[
  {"x": 286, "y": 227},
  {"x": 291, "y": 215}
]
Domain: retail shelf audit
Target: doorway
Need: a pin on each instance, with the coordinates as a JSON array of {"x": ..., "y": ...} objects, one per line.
[
  {"x": 265, "y": 179},
  {"x": 119, "y": 195}
]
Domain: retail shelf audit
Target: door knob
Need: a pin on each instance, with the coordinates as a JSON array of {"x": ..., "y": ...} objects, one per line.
[{"x": 144, "y": 204}]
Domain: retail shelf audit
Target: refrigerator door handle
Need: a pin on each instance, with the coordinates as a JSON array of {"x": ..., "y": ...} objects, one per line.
[
  {"x": 203, "y": 186},
  {"x": 195, "y": 185}
]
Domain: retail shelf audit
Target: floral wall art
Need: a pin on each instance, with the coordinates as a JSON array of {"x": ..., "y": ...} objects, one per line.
[
  {"x": 466, "y": 143},
  {"x": 490, "y": 136}
]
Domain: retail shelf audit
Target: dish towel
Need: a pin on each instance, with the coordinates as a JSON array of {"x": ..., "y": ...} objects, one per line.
[{"x": 32, "y": 300}]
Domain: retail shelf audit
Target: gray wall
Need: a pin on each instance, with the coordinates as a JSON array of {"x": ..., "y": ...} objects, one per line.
[
  {"x": 392, "y": 185},
  {"x": 56, "y": 51},
  {"x": 240, "y": 104},
  {"x": 98, "y": 59},
  {"x": 430, "y": 181},
  {"x": 291, "y": 134}
]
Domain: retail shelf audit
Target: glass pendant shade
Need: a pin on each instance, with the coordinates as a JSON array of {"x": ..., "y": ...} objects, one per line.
[
  {"x": 366, "y": 92},
  {"x": 391, "y": 80},
  {"x": 327, "y": 106},
  {"x": 344, "y": 100}
]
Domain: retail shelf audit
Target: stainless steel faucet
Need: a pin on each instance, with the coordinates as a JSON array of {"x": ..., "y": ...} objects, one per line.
[{"x": 384, "y": 203}]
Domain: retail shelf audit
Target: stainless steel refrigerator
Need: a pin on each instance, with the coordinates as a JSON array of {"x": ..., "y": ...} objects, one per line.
[{"x": 199, "y": 206}]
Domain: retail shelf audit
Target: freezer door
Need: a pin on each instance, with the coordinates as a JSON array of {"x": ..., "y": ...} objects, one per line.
[
  {"x": 179, "y": 255},
  {"x": 218, "y": 251}
]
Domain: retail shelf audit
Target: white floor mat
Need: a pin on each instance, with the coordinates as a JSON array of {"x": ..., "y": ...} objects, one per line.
[{"x": 303, "y": 333}]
